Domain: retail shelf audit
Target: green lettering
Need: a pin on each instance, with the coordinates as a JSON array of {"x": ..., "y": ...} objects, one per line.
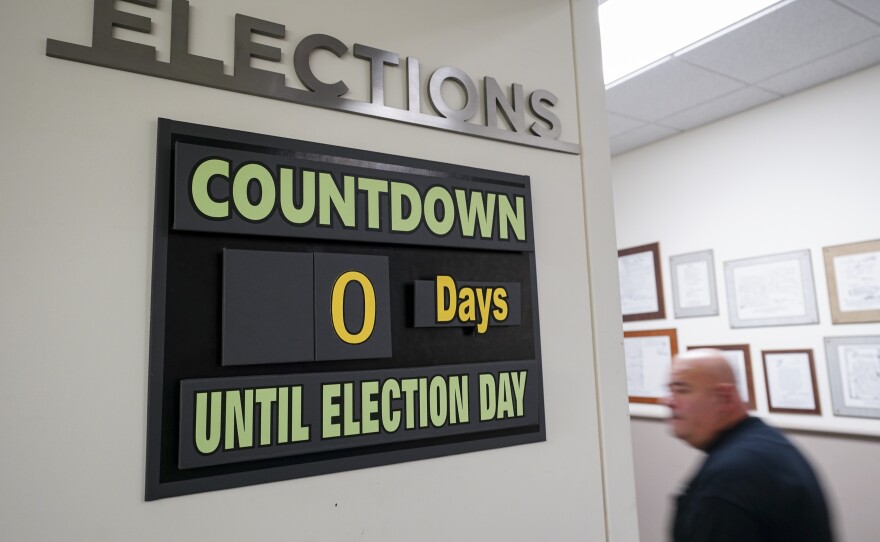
[
  {"x": 508, "y": 218},
  {"x": 350, "y": 426},
  {"x": 472, "y": 209},
  {"x": 519, "y": 389},
  {"x": 373, "y": 187},
  {"x": 439, "y": 401},
  {"x": 239, "y": 419},
  {"x": 458, "y": 399},
  {"x": 439, "y": 194},
  {"x": 330, "y": 410},
  {"x": 409, "y": 386},
  {"x": 332, "y": 199},
  {"x": 390, "y": 417},
  {"x": 487, "y": 397},
  {"x": 283, "y": 416},
  {"x": 300, "y": 432},
  {"x": 399, "y": 193},
  {"x": 265, "y": 398},
  {"x": 241, "y": 188},
  {"x": 505, "y": 397},
  {"x": 369, "y": 407},
  {"x": 306, "y": 211},
  {"x": 201, "y": 196},
  {"x": 207, "y": 444},
  {"x": 423, "y": 402}
]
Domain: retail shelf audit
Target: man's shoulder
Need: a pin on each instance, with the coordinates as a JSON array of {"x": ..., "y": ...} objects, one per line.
[
  {"x": 754, "y": 440},
  {"x": 753, "y": 471},
  {"x": 756, "y": 450},
  {"x": 755, "y": 462}
]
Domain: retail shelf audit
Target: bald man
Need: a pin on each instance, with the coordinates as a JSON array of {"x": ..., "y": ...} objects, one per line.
[{"x": 754, "y": 485}]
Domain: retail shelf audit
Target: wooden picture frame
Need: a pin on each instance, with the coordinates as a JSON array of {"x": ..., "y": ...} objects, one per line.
[
  {"x": 803, "y": 399},
  {"x": 853, "y": 274},
  {"x": 648, "y": 356},
  {"x": 693, "y": 284},
  {"x": 854, "y": 375},
  {"x": 773, "y": 290},
  {"x": 745, "y": 381},
  {"x": 641, "y": 285}
]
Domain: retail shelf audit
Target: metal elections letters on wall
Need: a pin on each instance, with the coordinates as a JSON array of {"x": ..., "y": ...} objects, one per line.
[
  {"x": 318, "y": 309},
  {"x": 541, "y": 128}
]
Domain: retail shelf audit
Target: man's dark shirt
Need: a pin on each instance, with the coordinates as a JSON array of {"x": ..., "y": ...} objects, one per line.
[{"x": 754, "y": 486}]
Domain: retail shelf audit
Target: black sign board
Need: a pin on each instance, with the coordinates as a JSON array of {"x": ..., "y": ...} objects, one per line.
[{"x": 318, "y": 309}]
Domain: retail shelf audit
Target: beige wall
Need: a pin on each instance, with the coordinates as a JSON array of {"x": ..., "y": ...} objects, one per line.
[
  {"x": 799, "y": 173},
  {"x": 77, "y": 167}
]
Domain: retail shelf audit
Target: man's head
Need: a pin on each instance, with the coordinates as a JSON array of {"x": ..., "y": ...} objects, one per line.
[{"x": 703, "y": 397}]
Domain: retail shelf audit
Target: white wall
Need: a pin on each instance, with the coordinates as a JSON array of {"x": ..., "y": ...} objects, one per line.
[
  {"x": 799, "y": 173},
  {"x": 77, "y": 167}
]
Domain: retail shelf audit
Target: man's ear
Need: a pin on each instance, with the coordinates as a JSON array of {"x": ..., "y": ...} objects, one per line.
[{"x": 726, "y": 393}]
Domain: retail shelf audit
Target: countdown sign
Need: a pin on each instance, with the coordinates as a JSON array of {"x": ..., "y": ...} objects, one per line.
[{"x": 318, "y": 309}]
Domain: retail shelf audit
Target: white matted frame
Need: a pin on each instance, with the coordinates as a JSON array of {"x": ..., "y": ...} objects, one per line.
[
  {"x": 773, "y": 290},
  {"x": 853, "y": 273},
  {"x": 854, "y": 375},
  {"x": 693, "y": 284}
]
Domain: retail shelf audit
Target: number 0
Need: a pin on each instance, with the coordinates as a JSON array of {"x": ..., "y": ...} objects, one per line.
[{"x": 338, "y": 302}]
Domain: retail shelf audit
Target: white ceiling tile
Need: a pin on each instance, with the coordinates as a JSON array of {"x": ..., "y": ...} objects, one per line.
[
  {"x": 639, "y": 137},
  {"x": 796, "y": 46},
  {"x": 868, "y": 8},
  {"x": 827, "y": 68},
  {"x": 793, "y": 35},
  {"x": 667, "y": 89},
  {"x": 736, "y": 101},
  {"x": 618, "y": 124}
]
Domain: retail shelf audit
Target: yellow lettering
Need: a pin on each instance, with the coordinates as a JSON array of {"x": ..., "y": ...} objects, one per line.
[
  {"x": 500, "y": 301},
  {"x": 338, "y": 302},
  {"x": 467, "y": 308},
  {"x": 484, "y": 300},
  {"x": 445, "y": 290}
]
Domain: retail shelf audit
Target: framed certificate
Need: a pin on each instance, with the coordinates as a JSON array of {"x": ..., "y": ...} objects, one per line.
[
  {"x": 641, "y": 291},
  {"x": 853, "y": 273},
  {"x": 739, "y": 358},
  {"x": 854, "y": 375},
  {"x": 791, "y": 381},
  {"x": 693, "y": 284},
  {"x": 648, "y": 360},
  {"x": 775, "y": 290}
]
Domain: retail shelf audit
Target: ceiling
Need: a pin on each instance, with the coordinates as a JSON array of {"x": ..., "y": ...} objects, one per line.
[{"x": 794, "y": 47}]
